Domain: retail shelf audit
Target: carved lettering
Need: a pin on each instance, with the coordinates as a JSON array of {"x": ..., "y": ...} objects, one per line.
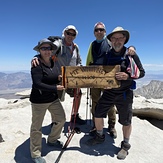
[{"x": 91, "y": 76}]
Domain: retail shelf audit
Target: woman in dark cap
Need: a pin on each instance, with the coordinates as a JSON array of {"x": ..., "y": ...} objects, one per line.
[{"x": 46, "y": 79}]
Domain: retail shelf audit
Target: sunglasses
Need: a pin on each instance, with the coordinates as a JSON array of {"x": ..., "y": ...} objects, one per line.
[
  {"x": 113, "y": 39},
  {"x": 71, "y": 34},
  {"x": 46, "y": 48},
  {"x": 99, "y": 29}
]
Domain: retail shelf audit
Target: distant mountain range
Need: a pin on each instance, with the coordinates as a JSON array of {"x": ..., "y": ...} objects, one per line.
[
  {"x": 151, "y": 86},
  {"x": 15, "y": 80},
  {"x": 153, "y": 90}
]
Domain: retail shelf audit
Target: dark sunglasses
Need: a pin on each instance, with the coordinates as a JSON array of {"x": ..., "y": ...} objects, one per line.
[
  {"x": 71, "y": 34},
  {"x": 99, "y": 29},
  {"x": 45, "y": 48}
]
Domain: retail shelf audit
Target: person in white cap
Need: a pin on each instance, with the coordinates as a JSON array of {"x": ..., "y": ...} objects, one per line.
[
  {"x": 43, "y": 97},
  {"x": 121, "y": 97},
  {"x": 96, "y": 56},
  {"x": 67, "y": 54}
]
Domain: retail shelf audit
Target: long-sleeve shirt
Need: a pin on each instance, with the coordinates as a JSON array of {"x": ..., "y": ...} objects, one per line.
[{"x": 44, "y": 81}]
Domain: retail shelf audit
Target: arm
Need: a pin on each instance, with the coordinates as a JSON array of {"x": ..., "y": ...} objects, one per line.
[
  {"x": 35, "y": 61},
  {"x": 137, "y": 71},
  {"x": 139, "y": 65}
]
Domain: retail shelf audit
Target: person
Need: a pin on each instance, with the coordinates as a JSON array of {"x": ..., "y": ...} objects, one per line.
[
  {"x": 68, "y": 55},
  {"x": 96, "y": 56},
  {"x": 121, "y": 97},
  {"x": 43, "y": 97}
]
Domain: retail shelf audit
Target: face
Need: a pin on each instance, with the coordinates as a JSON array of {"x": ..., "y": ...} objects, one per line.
[
  {"x": 45, "y": 51},
  {"x": 69, "y": 36},
  {"x": 117, "y": 41},
  {"x": 99, "y": 32}
]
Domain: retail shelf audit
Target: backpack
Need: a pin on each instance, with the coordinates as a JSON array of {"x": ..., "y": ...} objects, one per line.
[
  {"x": 54, "y": 38},
  {"x": 61, "y": 48}
]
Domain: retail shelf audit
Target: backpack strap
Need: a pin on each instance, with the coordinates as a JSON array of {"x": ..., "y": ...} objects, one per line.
[{"x": 78, "y": 55}]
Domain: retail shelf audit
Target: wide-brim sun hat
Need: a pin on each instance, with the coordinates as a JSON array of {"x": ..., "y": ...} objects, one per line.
[
  {"x": 68, "y": 28},
  {"x": 119, "y": 30},
  {"x": 44, "y": 41}
]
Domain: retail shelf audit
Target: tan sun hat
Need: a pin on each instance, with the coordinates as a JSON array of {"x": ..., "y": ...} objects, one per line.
[
  {"x": 119, "y": 30},
  {"x": 44, "y": 41}
]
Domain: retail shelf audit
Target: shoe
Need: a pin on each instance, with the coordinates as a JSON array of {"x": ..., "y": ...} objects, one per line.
[
  {"x": 56, "y": 144},
  {"x": 124, "y": 150},
  {"x": 98, "y": 139},
  {"x": 39, "y": 160},
  {"x": 92, "y": 132},
  {"x": 78, "y": 120},
  {"x": 112, "y": 131}
]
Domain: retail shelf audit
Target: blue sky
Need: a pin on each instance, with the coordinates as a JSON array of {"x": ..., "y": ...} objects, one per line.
[{"x": 25, "y": 22}]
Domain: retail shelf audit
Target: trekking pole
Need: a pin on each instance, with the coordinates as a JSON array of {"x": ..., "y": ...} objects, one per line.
[
  {"x": 90, "y": 105},
  {"x": 75, "y": 130},
  {"x": 71, "y": 128},
  {"x": 87, "y": 103},
  {"x": 75, "y": 107}
]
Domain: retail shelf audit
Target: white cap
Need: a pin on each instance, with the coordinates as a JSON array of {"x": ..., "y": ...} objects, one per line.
[{"x": 68, "y": 28}]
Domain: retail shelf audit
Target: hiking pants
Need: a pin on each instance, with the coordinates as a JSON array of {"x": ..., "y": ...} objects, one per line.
[{"x": 38, "y": 113}]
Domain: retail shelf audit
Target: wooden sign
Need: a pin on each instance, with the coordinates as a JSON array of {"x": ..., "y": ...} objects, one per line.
[{"x": 90, "y": 76}]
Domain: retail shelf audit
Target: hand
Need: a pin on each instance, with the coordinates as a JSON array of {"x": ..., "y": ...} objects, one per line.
[
  {"x": 121, "y": 76},
  {"x": 131, "y": 51},
  {"x": 60, "y": 87},
  {"x": 60, "y": 78},
  {"x": 34, "y": 62}
]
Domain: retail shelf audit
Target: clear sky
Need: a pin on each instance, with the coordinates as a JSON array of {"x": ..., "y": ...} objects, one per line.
[{"x": 24, "y": 22}]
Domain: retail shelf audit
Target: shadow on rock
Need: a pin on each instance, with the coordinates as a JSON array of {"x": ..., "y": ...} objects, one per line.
[
  {"x": 157, "y": 123},
  {"x": 22, "y": 152},
  {"x": 105, "y": 148}
]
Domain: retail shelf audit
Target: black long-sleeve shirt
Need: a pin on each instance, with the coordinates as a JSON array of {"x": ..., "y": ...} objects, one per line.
[{"x": 44, "y": 80}]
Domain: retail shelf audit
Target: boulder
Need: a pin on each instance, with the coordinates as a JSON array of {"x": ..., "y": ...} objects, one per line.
[{"x": 150, "y": 108}]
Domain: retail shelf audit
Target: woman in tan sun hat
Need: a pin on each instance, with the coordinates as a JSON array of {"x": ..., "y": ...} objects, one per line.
[{"x": 45, "y": 83}]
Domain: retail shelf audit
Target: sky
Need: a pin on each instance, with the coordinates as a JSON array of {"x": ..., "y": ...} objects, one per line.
[{"x": 24, "y": 22}]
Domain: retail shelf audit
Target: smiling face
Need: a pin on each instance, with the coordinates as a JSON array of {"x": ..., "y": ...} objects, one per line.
[
  {"x": 99, "y": 32},
  {"x": 117, "y": 40},
  {"x": 45, "y": 51},
  {"x": 70, "y": 35}
]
